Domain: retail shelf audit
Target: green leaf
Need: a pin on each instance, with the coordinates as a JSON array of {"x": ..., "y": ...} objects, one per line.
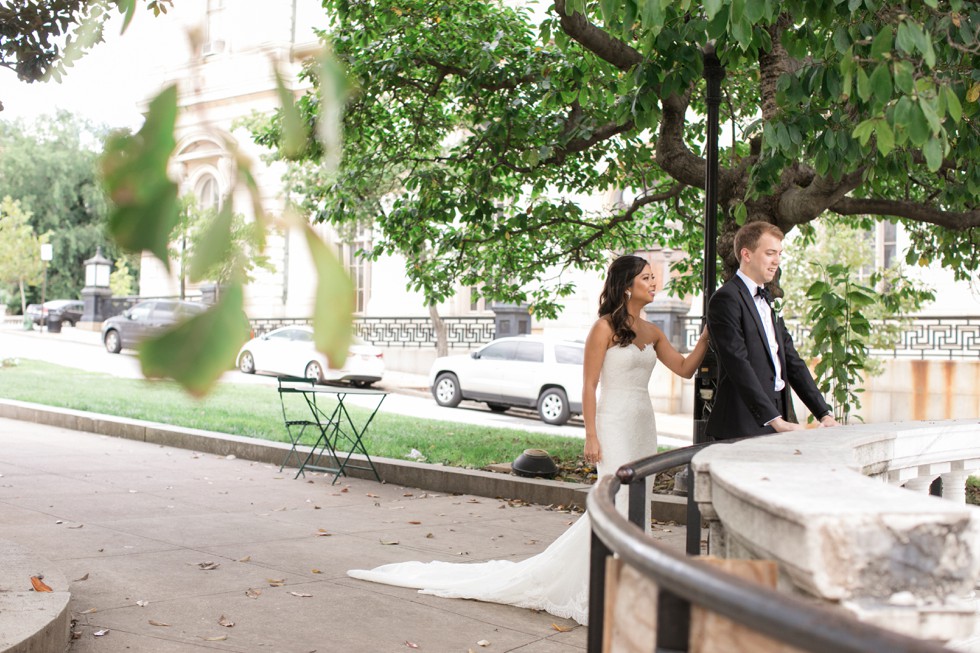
[
  {"x": 881, "y": 83},
  {"x": 885, "y": 138},
  {"x": 196, "y": 352},
  {"x": 933, "y": 151},
  {"x": 935, "y": 124},
  {"x": 953, "y": 106},
  {"x": 918, "y": 126},
  {"x": 863, "y": 85},
  {"x": 134, "y": 169},
  {"x": 294, "y": 134},
  {"x": 215, "y": 245},
  {"x": 609, "y": 10},
  {"x": 128, "y": 7},
  {"x": 333, "y": 311},
  {"x": 711, "y": 8},
  {"x": 882, "y": 42},
  {"x": 904, "y": 81},
  {"x": 864, "y": 130}
]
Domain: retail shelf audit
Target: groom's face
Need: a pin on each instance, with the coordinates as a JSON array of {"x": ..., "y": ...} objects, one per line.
[{"x": 761, "y": 264}]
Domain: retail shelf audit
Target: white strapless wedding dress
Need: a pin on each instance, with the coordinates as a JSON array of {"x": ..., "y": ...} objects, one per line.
[{"x": 557, "y": 579}]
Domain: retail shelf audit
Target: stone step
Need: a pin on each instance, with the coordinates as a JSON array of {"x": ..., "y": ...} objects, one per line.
[{"x": 32, "y": 622}]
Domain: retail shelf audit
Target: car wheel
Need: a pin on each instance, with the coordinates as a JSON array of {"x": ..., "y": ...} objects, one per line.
[
  {"x": 246, "y": 363},
  {"x": 498, "y": 408},
  {"x": 446, "y": 390},
  {"x": 553, "y": 406},
  {"x": 313, "y": 371},
  {"x": 112, "y": 341}
]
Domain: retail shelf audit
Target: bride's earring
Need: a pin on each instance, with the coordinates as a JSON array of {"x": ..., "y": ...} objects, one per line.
[{"x": 629, "y": 295}]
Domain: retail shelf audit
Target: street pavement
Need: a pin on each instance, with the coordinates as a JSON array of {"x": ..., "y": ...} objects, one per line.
[{"x": 168, "y": 550}]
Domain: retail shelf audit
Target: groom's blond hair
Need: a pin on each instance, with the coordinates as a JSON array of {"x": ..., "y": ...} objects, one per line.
[{"x": 748, "y": 236}]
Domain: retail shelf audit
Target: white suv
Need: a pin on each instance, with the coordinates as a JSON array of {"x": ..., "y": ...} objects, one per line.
[{"x": 528, "y": 371}]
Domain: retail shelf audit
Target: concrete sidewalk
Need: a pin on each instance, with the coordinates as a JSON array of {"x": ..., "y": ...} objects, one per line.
[{"x": 171, "y": 550}]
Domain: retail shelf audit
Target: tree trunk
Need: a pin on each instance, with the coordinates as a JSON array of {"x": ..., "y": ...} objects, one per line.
[{"x": 442, "y": 347}]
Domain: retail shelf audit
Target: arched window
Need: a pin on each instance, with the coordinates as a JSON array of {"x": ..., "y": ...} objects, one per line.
[{"x": 207, "y": 193}]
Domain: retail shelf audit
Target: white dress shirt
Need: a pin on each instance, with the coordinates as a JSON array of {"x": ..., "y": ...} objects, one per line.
[{"x": 765, "y": 314}]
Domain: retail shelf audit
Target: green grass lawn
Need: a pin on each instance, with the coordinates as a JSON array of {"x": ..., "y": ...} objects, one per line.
[{"x": 255, "y": 411}]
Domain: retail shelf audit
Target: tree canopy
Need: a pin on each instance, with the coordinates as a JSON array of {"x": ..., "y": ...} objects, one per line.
[
  {"x": 50, "y": 165},
  {"x": 41, "y": 40},
  {"x": 484, "y": 125}
]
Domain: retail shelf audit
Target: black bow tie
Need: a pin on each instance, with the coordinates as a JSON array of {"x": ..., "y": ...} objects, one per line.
[{"x": 763, "y": 292}]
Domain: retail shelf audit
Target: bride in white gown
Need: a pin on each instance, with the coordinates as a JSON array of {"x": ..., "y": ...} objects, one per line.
[{"x": 620, "y": 427}]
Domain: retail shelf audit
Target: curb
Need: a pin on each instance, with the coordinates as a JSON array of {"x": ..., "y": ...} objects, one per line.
[{"x": 426, "y": 476}]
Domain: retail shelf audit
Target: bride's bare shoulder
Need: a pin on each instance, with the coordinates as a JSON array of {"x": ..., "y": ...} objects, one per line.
[{"x": 601, "y": 332}]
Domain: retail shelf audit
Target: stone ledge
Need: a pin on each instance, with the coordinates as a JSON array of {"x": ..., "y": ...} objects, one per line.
[
  {"x": 31, "y": 622},
  {"x": 808, "y": 501}
]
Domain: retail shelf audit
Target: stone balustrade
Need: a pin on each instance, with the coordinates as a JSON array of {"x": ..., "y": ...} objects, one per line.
[{"x": 827, "y": 506}]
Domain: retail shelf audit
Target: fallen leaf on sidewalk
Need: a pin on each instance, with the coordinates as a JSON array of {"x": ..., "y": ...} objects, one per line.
[
  {"x": 245, "y": 559},
  {"x": 561, "y": 629},
  {"x": 227, "y": 623},
  {"x": 219, "y": 638},
  {"x": 209, "y": 565},
  {"x": 154, "y": 622},
  {"x": 142, "y": 603},
  {"x": 89, "y": 611},
  {"x": 39, "y": 585},
  {"x": 101, "y": 633},
  {"x": 373, "y": 496},
  {"x": 415, "y": 522},
  {"x": 322, "y": 533},
  {"x": 85, "y": 577},
  {"x": 78, "y": 526},
  {"x": 302, "y": 595},
  {"x": 483, "y": 642},
  {"x": 411, "y": 644},
  {"x": 252, "y": 593},
  {"x": 275, "y": 582},
  {"x": 315, "y": 571},
  {"x": 388, "y": 542}
]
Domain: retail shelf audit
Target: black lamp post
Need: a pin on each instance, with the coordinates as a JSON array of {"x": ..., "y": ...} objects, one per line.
[
  {"x": 96, "y": 293},
  {"x": 707, "y": 376}
]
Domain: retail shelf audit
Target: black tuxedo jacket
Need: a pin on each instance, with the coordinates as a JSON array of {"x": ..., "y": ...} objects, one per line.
[{"x": 745, "y": 398}]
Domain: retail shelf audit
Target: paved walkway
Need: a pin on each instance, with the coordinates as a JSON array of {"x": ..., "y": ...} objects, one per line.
[{"x": 169, "y": 550}]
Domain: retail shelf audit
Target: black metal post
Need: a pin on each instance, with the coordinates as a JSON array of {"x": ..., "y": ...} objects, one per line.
[
  {"x": 598, "y": 554},
  {"x": 707, "y": 374}
]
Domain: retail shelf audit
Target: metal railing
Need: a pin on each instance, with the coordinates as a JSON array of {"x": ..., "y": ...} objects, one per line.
[
  {"x": 684, "y": 581},
  {"x": 941, "y": 337},
  {"x": 407, "y": 332}
]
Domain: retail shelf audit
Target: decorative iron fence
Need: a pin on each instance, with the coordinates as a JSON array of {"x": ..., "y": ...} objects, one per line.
[
  {"x": 408, "y": 332},
  {"x": 943, "y": 337}
]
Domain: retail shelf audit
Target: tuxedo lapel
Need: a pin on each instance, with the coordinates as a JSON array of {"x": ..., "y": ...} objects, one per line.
[{"x": 749, "y": 303}]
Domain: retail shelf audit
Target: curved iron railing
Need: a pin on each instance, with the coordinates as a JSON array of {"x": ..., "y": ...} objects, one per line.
[{"x": 684, "y": 580}]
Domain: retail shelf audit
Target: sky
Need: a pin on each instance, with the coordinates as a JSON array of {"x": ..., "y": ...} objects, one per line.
[{"x": 105, "y": 86}]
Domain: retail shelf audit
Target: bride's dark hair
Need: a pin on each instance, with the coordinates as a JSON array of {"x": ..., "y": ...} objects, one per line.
[{"x": 612, "y": 301}]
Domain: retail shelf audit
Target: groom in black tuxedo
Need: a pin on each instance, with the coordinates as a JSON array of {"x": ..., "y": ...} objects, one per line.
[{"x": 757, "y": 361}]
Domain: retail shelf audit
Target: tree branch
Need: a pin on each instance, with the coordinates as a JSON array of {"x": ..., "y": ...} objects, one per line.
[
  {"x": 958, "y": 220},
  {"x": 596, "y": 40}
]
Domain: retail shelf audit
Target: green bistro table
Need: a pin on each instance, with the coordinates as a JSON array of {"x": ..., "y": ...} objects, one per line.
[{"x": 338, "y": 437}]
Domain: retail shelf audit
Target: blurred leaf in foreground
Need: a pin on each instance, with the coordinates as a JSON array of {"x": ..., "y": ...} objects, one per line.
[
  {"x": 198, "y": 351},
  {"x": 134, "y": 167},
  {"x": 215, "y": 244},
  {"x": 333, "y": 312}
]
